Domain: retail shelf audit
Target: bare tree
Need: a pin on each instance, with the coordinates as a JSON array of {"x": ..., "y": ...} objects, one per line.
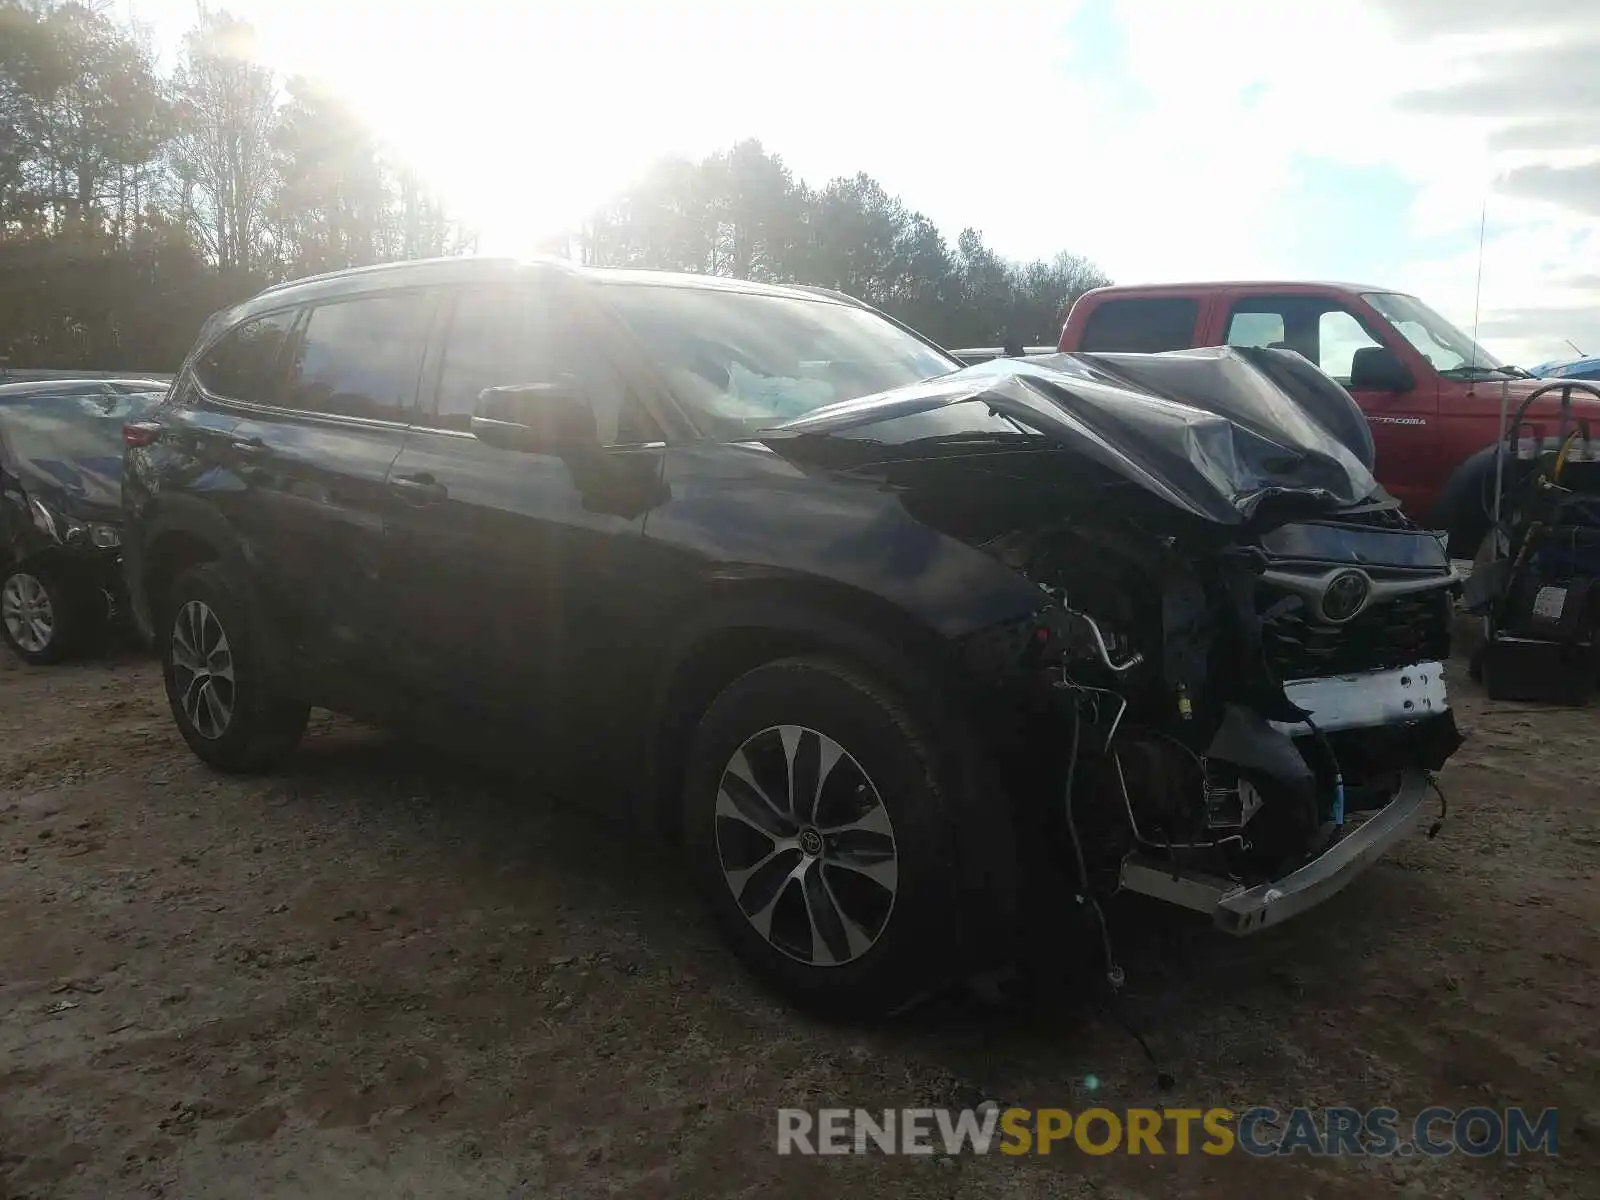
[{"x": 222, "y": 158}]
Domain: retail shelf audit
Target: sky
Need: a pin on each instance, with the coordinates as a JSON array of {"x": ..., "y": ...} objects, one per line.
[{"x": 1367, "y": 140}]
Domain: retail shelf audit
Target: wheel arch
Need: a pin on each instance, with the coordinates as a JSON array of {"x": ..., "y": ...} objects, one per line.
[
  {"x": 71, "y": 568},
  {"x": 743, "y": 623},
  {"x": 182, "y": 534},
  {"x": 172, "y": 553},
  {"x": 188, "y": 533}
]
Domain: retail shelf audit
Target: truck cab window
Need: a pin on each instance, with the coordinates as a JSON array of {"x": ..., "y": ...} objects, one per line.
[
  {"x": 1255, "y": 329},
  {"x": 1339, "y": 336},
  {"x": 1146, "y": 325},
  {"x": 1319, "y": 331}
]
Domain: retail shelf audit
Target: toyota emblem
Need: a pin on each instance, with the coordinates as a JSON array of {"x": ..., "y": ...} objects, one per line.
[{"x": 1345, "y": 596}]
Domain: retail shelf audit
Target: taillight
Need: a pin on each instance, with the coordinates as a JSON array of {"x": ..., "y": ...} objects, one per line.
[{"x": 140, "y": 433}]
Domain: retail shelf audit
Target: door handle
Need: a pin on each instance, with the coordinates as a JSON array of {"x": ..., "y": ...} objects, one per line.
[
  {"x": 419, "y": 489},
  {"x": 249, "y": 446}
]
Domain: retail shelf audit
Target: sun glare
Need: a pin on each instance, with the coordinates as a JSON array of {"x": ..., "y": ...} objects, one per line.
[
  {"x": 505, "y": 111},
  {"x": 526, "y": 116}
]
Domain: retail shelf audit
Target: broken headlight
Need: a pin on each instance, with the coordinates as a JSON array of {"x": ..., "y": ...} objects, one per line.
[{"x": 68, "y": 531}]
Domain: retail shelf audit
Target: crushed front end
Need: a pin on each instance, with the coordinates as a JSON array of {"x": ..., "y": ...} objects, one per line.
[
  {"x": 1242, "y": 725},
  {"x": 1232, "y": 694}
]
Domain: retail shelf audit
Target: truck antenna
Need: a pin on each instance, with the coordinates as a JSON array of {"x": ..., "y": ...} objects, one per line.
[
  {"x": 1574, "y": 346},
  {"x": 1477, "y": 292}
]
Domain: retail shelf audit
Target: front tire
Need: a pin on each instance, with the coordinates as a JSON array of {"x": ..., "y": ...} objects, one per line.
[
  {"x": 217, "y": 686},
  {"x": 819, "y": 823},
  {"x": 41, "y": 615}
]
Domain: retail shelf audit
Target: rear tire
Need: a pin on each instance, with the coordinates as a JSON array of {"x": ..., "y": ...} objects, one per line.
[
  {"x": 217, "y": 685},
  {"x": 819, "y": 821},
  {"x": 41, "y": 614}
]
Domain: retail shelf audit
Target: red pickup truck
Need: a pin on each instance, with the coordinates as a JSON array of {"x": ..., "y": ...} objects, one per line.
[{"x": 1432, "y": 396}]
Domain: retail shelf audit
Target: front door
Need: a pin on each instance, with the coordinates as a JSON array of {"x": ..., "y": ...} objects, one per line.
[
  {"x": 1328, "y": 333},
  {"x": 513, "y": 572}
]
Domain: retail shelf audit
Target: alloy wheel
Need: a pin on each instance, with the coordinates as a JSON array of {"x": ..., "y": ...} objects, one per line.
[
  {"x": 202, "y": 669},
  {"x": 806, "y": 845},
  {"x": 28, "y": 615}
]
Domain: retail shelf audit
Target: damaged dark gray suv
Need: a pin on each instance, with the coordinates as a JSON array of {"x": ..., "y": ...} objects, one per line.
[{"x": 875, "y": 640}]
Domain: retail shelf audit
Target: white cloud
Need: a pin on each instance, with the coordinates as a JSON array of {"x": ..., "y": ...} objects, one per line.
[
  {"x": 1515, "y": 87},
  {"x": 1479, "y": 105}
]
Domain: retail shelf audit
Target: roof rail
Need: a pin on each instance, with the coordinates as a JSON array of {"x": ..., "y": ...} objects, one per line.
[
  {"x": 377, "y": 268},
  {"x": 816, "y": 289}
]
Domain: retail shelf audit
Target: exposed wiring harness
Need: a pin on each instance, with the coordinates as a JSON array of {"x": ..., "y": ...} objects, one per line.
[
  {"x": 1444, "y": 806},
  {"x": 1115, "y": 976},
  {"x": 1338, "y": 778},
  {"x": 1085, "y": 895}
]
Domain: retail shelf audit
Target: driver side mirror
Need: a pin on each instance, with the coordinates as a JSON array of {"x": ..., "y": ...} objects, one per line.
[
  {"x": 536, "y": 418},
  {"x": 1379, "y": 369}
]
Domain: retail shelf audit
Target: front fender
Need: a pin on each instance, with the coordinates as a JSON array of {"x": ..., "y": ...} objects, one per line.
[{"x": 740, "y": 514}]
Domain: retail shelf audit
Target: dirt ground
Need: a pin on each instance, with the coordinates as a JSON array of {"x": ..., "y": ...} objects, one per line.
[{"x": 384, "y": 974}]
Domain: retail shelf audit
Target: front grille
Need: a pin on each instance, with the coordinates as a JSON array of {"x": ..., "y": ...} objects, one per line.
[{"x": 1394, "y": 633}]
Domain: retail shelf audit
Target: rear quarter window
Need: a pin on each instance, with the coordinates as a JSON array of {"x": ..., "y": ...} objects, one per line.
[{"x": 1141, "y": 326}]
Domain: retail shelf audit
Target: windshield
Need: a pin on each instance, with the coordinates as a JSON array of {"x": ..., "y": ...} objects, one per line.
[
  {"x": 744, "y": 361},
  {"x": 1441, "y": 343}
]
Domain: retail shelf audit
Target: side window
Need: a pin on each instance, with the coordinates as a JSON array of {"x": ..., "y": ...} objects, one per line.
[
  {"x": 1254, "y": 329},
  {"x": 247, "y": 362},
  {"x": 1320, "y": 331},
  {"x": 509, "y": 335},
  {"x": 496, "y": 336},
  {"x": 361, "y": 358},
  {"x": 1145, "y": 326},
  {"x": 1340, "y": 335}
]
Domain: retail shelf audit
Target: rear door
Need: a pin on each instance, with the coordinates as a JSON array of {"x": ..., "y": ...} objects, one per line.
[
  {"x": 515, "y": 572},
  {"x": 241, "y": 372},
  {"x": 315, "y": 459}
]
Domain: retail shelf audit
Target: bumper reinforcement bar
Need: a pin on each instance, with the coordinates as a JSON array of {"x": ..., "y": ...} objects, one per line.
[{"x": 1241, "y": 910}]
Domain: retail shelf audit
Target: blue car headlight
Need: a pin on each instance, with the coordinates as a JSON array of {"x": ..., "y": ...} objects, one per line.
[{"x": 69, "y": 531}]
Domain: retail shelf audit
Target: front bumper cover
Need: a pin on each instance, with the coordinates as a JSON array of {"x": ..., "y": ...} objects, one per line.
[{"x": 1242, "y": 910}]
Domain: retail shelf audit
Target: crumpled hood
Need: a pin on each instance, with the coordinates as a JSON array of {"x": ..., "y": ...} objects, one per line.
[{"x": 1215, "y": 432}]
